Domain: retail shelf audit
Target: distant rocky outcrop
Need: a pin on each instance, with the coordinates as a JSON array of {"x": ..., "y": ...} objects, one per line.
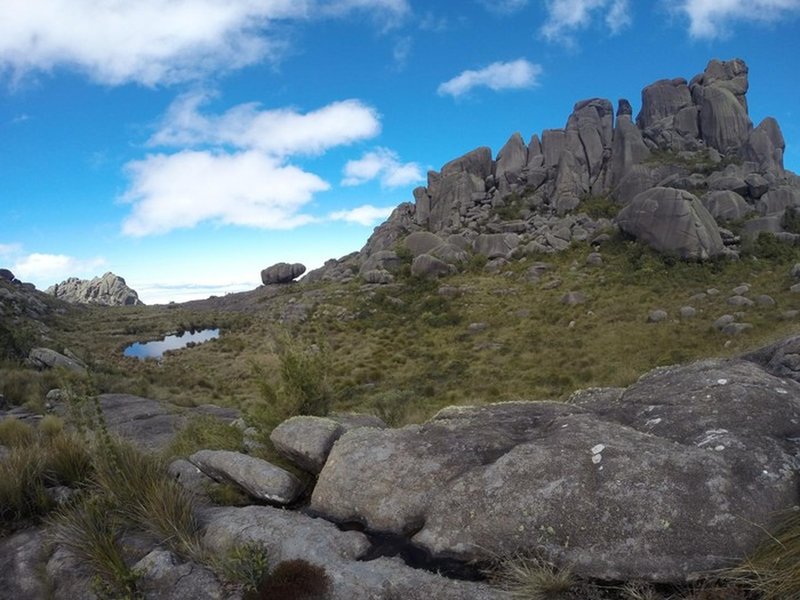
[
  {"x": 108, "y": 290},
  {"x": 693, "y": 137},
  {"x": 282, "y": 273}
]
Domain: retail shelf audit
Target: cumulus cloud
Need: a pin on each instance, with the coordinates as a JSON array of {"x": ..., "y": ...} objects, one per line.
[
  {"x": 565, "y": 17},
  {"x": 9, "y": 249},
  {"x": 234, "y": 168},
  {"x": 363, "y": 215},
  {"x": 39, "y": 267},
  {"x": 278, "y": 132},
  {"x": 498, "y": 76},
  {"x": 712, "y": 18},
  {"x": 381, "y": 164},
  {"x": 244, "y": 188},
  {"x": 153, "y": 42}
]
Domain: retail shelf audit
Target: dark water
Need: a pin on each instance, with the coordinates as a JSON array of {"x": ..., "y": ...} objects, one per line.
[{"x": 156, "y": 348}]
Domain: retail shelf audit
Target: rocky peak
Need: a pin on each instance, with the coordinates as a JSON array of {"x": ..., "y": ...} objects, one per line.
[
  {"x": 108, "y": 290},
  {"x": 692, "y": 136}
]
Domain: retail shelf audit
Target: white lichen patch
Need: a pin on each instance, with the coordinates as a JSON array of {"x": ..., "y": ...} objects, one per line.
[
  {"x": 722, "y": 381},
  {"x": 597, "y": 458},
  {"x": 598, "y": 448}
]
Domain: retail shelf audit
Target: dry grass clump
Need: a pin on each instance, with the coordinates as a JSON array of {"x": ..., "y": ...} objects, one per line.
[
  {"x": 15, "y": 433},
  {"x": 529, "y": 577},
  {"x": 205, "y": 432},
  {"x": 773, "y": 571}
]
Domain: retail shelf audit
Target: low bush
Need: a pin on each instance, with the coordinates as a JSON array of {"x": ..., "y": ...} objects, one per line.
[
  {"x": 15, "y": 433},
  {"x": 246, "y": 564}
]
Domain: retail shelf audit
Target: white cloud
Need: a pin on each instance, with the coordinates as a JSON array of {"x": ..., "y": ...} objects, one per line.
[
  {"x": 711, "y": 18},
  {"x": 504, "y": 7},
  {"x": 38, "y": 267},
  {"x": 7, "y": 250},
  {"x": 243, "y": 188},
  {"x": 154, "y": 42},
  {"x": 497, "y": 76},
  {"x": 278, "y": 132},
  {"x": 381, "y": 164},
  {"x": 565, "y": 17},
  {"x": 363, "y": 215}
]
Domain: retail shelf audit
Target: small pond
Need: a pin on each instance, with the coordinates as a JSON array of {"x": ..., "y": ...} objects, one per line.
[{"x": 156, "y": 348}]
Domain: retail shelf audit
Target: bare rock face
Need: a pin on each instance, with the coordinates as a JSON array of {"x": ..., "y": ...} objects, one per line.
[
  {"x": 673, "y": 222},
  {"x": 108, "y": 290},
  {"x": 680, "y": 473},
  {"x": 719, "y": 92},
  {"x": 282, "y": 273}
]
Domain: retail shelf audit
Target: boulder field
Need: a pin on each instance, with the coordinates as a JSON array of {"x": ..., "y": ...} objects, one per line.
[{"x": 678, "y": 175}]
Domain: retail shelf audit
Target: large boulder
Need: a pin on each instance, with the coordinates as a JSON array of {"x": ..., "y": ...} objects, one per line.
[
  {"x": 681, "y": 473},
  {"x": 6, "y": 275},
  {"x": 430, "y": 267},
  {"x": 628, "y": 149},
  {"x": 765, "y": 146},
  {"x": 512, "y": 158},
  {"x": 422, "y": 242},
  {"x": 495, "y": 245},
  {"x": 108, "y": 290},
  {"x": 282, "y": 273},
  {"x": 661, "y": 100},
  {"x": 672, "y": 222},
  {"x": 719, "y": 92},
  {"x": 45, "y": 358},
  {"x": 726, "y": 205}
]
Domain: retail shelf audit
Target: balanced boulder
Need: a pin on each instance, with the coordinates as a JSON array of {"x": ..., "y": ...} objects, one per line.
[{"x": 282, "y": 273}]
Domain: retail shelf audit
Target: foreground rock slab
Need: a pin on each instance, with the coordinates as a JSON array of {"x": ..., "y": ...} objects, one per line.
[
  {"x": 260, "y": 479},
  {"x": 677, "y": 475},
  {"x": 290, "y": 535}
]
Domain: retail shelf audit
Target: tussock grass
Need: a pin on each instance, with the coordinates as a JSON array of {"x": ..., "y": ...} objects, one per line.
[
  {"x": 137, "y": 485},
  {"x": 773, "y": 571},
  {"x": 89, "y": 531},
  {"x": 205, "y": 432},
  {"x": 15, "y": 433},
  {"x": 526, "y": 577}
]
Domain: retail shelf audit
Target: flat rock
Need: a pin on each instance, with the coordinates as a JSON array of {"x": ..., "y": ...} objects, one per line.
[
  {"x": 290, "y": 535},
  {"x": 45, "y": 358},
  {"x": 677, "y": 475},
  {"x": 260, "y": 479},
  {"x": 163, "y": 575}
]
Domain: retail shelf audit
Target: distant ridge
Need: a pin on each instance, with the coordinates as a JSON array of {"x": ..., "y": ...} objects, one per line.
[{"x": 108, "y": 290}]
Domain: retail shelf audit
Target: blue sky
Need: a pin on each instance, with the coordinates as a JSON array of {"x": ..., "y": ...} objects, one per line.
[{"x": 187, "y": 144}]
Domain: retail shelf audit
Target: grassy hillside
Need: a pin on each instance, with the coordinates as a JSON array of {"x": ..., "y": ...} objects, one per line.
[{"x": 407, "y": 349}]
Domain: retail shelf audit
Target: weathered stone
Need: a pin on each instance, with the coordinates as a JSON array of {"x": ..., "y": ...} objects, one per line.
[
  {"x": 778, "y": 200},
  {"x": 108, "y": 290},
  {"x": 190, "y": 477},
  {"x": 628, "y": 149},
  {"x": 383, "y": 260},
  {"x": 280, "y": 273},
  {"x": 734, "y": 329},
  {"x": 495, "y": 245},
  {"x": 553, "y": 144},
  {"x": 287, "y": 535},
  {"x": 595, "y": 259},
  {"x": 726, "y": 205},
  {"x": 45, "y": 358},
  {"x": 422, "y": 242},
  {"x": 657, "y": 316},
  {"x": 765, "y": 146},
  {"x": 740, "y": 301},
  {"x": 573, "y": 298},
  {"x": 162, "y": 575},
  {"x": 478, "y": 162},
  {"x": 722, "y": 321},
  {"x": 661, "y": 100},
  {"x": 512, "y": 158},
  {"x": 687, "y": 312},
  {"x": 6, "y": 275},
  {"x": 765, "y": 300},
  {"x": 260, "y": 479},
  {"x": 306, "y": 441},
  {"x": 21, "y": 560},
  {"x": 429, "y": 266},
  {"x": 686, "y": 454},
  {"x": 719, "y": 93},
  {"x": 673, "y": 222},
  {"x": 378, "y": 277}
]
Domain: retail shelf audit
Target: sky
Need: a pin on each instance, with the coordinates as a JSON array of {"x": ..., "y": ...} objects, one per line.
[{"x": 187, "y": 144}]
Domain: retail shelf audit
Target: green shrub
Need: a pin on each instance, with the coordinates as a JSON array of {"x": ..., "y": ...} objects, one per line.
[
  {"x": 599, "y": 207},
  {"x": 767, "y": 246},
  {"x": 246, "y": 564},
  {"x": 302, "y": 387}
]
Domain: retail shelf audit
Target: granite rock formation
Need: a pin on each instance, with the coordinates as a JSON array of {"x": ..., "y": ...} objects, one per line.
[
  {"x": 694, "y": 137},
  {"x": 108, "y": 290}
]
